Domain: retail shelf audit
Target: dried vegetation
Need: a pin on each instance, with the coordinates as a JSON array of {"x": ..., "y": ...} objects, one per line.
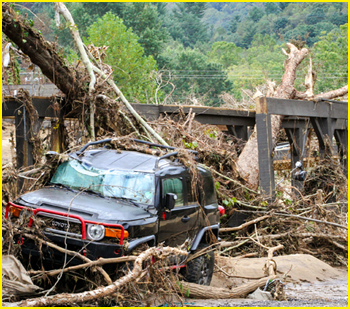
[
  {"x": 302, "y": 221},
  {"x": 312, "y": 220}
]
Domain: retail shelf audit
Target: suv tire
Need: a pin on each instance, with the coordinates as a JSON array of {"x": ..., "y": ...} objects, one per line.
[{"x": 200, "y": 270}]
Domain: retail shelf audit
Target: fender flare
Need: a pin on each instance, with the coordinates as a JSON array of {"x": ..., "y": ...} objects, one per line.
[
  {"x": 134, "y": 243},
  {"x": 196, "y": 241}
]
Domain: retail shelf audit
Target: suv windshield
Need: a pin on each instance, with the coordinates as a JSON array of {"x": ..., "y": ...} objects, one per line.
[{"x": 137, "y": 186}]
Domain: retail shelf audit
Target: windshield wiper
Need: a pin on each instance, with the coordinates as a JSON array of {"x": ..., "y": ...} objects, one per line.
[
  {"x": 94, "y": 192},
  {"x": 61, "y": 185},
  {"x": 131, "y": 200}
]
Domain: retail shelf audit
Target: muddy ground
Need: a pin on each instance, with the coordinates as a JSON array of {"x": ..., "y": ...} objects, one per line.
[{"x": 309, "y": 282}]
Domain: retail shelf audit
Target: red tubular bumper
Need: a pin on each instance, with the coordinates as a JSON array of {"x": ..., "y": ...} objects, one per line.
[{"x": 63, "y": 214}]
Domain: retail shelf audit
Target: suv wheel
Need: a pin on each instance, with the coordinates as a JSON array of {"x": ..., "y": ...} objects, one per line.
[{"x": 200, "y": 270}]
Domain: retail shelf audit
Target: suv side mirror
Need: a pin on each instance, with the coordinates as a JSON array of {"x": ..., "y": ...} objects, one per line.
[{"x": 170, "y": 200}]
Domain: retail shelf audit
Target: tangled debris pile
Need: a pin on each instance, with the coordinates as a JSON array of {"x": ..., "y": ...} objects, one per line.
[
  {"x": 303, "y": 222},
  {"x": 294, "y": 222}
]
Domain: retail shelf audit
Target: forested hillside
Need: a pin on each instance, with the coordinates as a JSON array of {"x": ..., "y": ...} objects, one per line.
[{"x": 197, "y": 51}]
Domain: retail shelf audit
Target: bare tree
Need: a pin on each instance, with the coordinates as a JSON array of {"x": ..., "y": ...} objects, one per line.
[{"x": 247, "y": 162}]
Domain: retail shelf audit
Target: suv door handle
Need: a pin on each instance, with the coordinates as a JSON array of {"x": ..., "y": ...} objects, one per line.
[{"x": 185, "y": 219}]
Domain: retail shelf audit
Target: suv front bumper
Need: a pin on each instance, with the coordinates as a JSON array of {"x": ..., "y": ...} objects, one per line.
[{"x": 92, "y": 250}]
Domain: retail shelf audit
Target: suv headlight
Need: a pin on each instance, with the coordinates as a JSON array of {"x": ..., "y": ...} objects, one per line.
[{"x": 95, "y": 231}]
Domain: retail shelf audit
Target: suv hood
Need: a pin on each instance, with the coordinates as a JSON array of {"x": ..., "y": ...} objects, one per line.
[{"x": 88, "y": 206}]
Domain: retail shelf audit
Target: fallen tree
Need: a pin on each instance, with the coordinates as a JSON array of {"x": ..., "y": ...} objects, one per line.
[
  {"x": 70, "y": 81},
  {"x": 220, "y": 153},
  {"x": 247, "y": 162}
]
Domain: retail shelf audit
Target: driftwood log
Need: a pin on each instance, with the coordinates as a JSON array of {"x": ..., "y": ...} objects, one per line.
[{"x": 209, "y": 292}]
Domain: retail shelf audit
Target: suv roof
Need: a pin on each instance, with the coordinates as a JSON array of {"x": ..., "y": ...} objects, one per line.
[{"x": 127, "y": 160}]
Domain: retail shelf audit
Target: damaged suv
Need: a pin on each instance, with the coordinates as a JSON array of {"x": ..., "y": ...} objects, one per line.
[{"x": 107, "y": 203}]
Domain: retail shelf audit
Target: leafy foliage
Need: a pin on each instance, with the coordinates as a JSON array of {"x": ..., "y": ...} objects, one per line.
[
  {"x": 207, "y": 48},
  {"x": 330, "y": 56},
  {"x": 147, "y": 25},
  {"x": 126, "y": 56},
  {"x": 225, "y": 53},
  {"x": 185, "y": 23},
  {"x": 255, "y": 65},
  {"x": 194, "y": 75}
]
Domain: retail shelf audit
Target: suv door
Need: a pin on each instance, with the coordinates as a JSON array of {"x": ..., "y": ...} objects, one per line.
[{"x": 182, "y": 221}]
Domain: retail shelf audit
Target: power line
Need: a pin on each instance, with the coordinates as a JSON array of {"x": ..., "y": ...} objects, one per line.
[{"x": 243, "y": 77}]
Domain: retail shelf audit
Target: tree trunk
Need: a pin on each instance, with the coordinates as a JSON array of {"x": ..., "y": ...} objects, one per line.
[
  {"x": 209, "y": 292},
  {"x": 41, "y": 53},
  {"x": 60, "y": 8},
  {"x": 247, "y": 163}
]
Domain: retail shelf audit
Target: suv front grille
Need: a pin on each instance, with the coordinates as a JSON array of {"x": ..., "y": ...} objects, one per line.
[{"x": 61, "y": 225}]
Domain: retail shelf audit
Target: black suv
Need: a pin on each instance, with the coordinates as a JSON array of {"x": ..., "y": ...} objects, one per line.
[{"x": 106, "y": 203}]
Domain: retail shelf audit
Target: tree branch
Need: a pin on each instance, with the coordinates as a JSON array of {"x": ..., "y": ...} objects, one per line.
[
  {"x": 41, "y": 53},
  {"x": 99, "y": 262},
  {"x": 60, "y": 8},
  {"x": 237, "y": 228},
  {"x": 130, "y": 108},
  {"x": 209, "y": 292},
  {"x": 333, "y": 94},
  {"x": 66, "y": 299},
  {"x": 69, "y": 252}
]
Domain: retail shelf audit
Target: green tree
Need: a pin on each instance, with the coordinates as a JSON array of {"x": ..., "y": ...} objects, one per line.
[
  {"x": 282, "y": 5},
  {"x": 225, "y": 53},
  {"x": 271, "y": 8},
  {"x": 234, "y": 23},
  {"x": 339, "y": 19},
  {"x": 185, "y": 23},
  {"x": 144, "y": 20},
  {"x": 330, "y": 58},
  {"x": 131, "y": 69},
  {"x": 280, "y": 23},
  {"x": 315, "y": 16},
  {"x": 98, "y": 9},
  {"x": 264, "y": 60},
  {"x": 307, "y": 32},
  {"x": 255, "y": 14},
  {"x": 194, "y": 75},
  {"x": 246, "y": 31}
]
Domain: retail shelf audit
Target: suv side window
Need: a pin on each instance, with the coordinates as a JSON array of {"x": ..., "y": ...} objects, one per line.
[
  {"x": 190, "y": 196},
  {"x": 209, "y": 191},
  {"x": 174, "y": 185}
]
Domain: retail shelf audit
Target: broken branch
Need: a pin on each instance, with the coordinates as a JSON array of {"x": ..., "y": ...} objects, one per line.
[
  {"x": 72, "y": 253},
  {"x": 299, "y": 217},
  {"x": 99, "y": 262},
  {"x": 65, "y": 298},
  {"x": 242, "y": 226}
]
